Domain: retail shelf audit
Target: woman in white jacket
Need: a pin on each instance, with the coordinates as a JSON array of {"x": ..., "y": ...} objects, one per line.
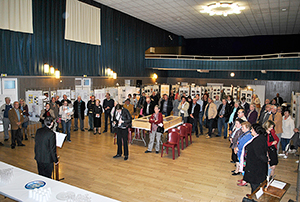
[
  {"x": 288, "y": 126},
  {"x": 66, "y": 113}
]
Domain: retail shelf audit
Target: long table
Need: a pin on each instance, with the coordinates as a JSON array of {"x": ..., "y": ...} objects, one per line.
[
  {"x": 139, "y": 137},
  {"x": 16, "y": 190}
]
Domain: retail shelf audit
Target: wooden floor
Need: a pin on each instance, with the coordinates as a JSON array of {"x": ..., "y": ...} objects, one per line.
[{"x": 201, "y": 173}]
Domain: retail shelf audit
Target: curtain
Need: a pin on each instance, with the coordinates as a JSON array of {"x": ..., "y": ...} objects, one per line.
[
  {"x": 82, "y": 23},
  {"x": 16, "y": 15}
]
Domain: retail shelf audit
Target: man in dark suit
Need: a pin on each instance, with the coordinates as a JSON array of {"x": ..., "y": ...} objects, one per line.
[
  {"x": 108, "y": 104},
  {"x": 278, "y": 99},
  {"x": 148, "y": 107},
  {"x": 193, "y": 112},
  {"x": 223, "y": 118},
  {"x": 16, "y": 118},
  {"x": 166, "y": 106},
  {"x": 79, "y": 107},
  {"x": 154, "y": 98},
  {"x": 45, "y": 148},
  {"x": 244, "y": 104},
  {"x": 264, "y": 116}
]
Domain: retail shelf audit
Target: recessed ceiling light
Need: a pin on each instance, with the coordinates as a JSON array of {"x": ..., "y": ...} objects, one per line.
[
  {"x": 222, "y": 9},
  {"x": 232, "y": 74},
  {"x": 284, "y": 9}
]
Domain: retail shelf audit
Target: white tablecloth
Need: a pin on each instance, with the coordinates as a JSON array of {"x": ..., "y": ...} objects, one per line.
[{"x": 16, "y": 188}]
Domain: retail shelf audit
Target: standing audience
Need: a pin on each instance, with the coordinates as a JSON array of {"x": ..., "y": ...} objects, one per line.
[
  {"x": 166, "y": 105},
  {"x": 278, "y": 99},
  {"x": 252, "y": 114},
  {"x": 90, "y": 106},
  {"x": 108, "y": 104},
  {"x": 210, "y": 114},
  {"x": 176, "y": 103},
  {"x": 24, "y": 108},
  {"x": 155, "y": 120},
  {"x": 47, "y": 112},
  {"x": 244, "y": 104},
  {"x": 276, "y": 117},
  {"x": 79, "y": 107},
  {"x": 16, "y": 119},
  {"x": 223, "y": 117},
  {"x": 272, "y": 141},
  {"x": 200, "y": 103},
  {"x": 183, "y": 109},
  {"x": 66, "y": 112},
  {"x": 97, "y": 113},
  {"x": 122, "y": 120},
  {"x": 4, "y": 117},
  {"x": 194, "y": 116},
  {"x": 234, "y": 142},
  {"x": 256, "y": 169},
  {"x": 55, "y": 108},
  {"x": 288, "y": 126}
]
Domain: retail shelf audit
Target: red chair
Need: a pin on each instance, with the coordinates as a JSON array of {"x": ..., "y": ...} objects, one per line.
[
  {"x": 173, "y": 141},
  {"x": 173, "y": 130},
  {"x": 183, "y": 135},
  {"x": 190, "y": 128}
]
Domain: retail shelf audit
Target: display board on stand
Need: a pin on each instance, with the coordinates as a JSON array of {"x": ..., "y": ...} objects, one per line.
[
  {"x": 195, "y": 90},
  {"x": 34, "y": 100}
]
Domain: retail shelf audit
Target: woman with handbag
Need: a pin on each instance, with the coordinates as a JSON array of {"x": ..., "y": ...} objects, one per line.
[
  {"x": 97, "y": 112},
  {"x": 272, "y": 141},
  {"x": 24, "y": 107},
  {"x": 157, "y": 130}
]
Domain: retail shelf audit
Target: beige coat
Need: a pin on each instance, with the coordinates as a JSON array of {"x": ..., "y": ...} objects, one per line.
[
  {"x": 185, "y": 108},
  {"x": 277, "y": 121},
  {"x": 212, "y": 111}
]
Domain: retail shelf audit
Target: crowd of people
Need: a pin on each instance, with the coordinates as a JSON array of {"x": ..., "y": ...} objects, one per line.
[{"x": 254, "y": 131}]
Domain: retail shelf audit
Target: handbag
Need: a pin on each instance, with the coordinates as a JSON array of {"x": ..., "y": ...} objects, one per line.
[
  {"x": 26, "y": 119},
  {"x": 160, "y": 129}
]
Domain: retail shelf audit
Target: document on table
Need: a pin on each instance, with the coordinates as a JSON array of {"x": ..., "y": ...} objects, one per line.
[
  {"x": 278, "y": 184},
  {"x": 60, "y": 137},
  {"x": 259, "y": 193}
]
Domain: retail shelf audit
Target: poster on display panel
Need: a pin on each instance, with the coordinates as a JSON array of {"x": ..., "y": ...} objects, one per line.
[
  {"x": 164, "y": 89},
  {"x": 62, "y": 92},
  {"x": 34, "y": 100}
]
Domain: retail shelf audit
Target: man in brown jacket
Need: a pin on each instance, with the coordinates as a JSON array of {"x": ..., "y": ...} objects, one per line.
[
  {"x": 16, "y": 119},
  {"x": 276, "y": 117},
  {"x": 210, "y": 114}
]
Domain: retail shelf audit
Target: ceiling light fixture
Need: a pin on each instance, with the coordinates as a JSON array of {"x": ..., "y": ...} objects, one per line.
[
  {"x": 232, "y": 74},
  {"x": 222, "y": 9}
]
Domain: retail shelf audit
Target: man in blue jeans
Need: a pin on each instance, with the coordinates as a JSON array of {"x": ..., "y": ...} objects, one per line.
[
  {"x": 200, "y": 102},
  {"x": 223, "y": 117}
]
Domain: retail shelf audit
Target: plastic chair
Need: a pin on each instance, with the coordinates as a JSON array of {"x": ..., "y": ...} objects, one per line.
[
  {"x": 173, "y": 130},
  {"x": 183, "y": 135},
  {"x": 190, "y": 128},
  {"x": 173, "y": 141}
]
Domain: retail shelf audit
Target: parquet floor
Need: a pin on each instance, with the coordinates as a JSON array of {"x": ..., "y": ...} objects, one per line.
[{"x": 201, "y": 173}]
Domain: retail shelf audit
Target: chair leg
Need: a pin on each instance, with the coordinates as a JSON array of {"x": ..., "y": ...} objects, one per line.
[
  {"x": 162, "y": 151},
  {"x": 173, "y": 152},
  {"x": 186, "y": 141},
  {"x": 191, "y": 138},
  {"x": 178, "y": 149},
  {"x": 182, "y": 147},
  {"x": 167, "y": 150}
]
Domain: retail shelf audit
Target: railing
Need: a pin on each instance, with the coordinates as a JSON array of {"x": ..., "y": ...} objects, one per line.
[{"x": 224, "y": 58}]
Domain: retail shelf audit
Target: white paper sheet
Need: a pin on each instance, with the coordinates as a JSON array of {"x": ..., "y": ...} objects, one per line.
[
  {"x": 259, "y": 193},
  {"x": 60, "y": 137},
  {"x": 278, "y": 184}
]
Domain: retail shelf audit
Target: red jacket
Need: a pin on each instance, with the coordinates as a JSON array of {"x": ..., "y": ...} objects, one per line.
[
  {"x": 275, "y": 138},
  {"x": 160, "y": 120}
]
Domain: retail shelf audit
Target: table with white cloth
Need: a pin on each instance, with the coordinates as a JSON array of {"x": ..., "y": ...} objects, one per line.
[{"x": 15, "y": 188}]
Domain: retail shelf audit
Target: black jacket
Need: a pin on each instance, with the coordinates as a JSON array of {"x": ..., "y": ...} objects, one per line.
[
  {"x": 151, "y": 109},
  {"x": 45, "y": 146},
  {"x": 196, "y": 110},
  {"x": 82, "y": 108},
  {"x": 126, "y": 117},
  {"x": 169, "y": 106},
  {"x": 227, "y": 112},
  {"x": 108, "y": 103},
  {"x": 90, "y": 106},
  {"x": 246, "y": 107},
  {"x": 154, "y": 99},
  {"x": 256, "y": 169},
  {"x": 97, "y": 110},
  {"x": 141, "y": 101}
]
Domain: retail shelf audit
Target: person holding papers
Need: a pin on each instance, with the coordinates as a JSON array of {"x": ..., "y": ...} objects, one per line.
[{"x": 45, "y": 148}]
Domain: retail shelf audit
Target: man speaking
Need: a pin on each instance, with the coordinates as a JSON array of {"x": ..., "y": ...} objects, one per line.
[{"x": 45, "y": 148}]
